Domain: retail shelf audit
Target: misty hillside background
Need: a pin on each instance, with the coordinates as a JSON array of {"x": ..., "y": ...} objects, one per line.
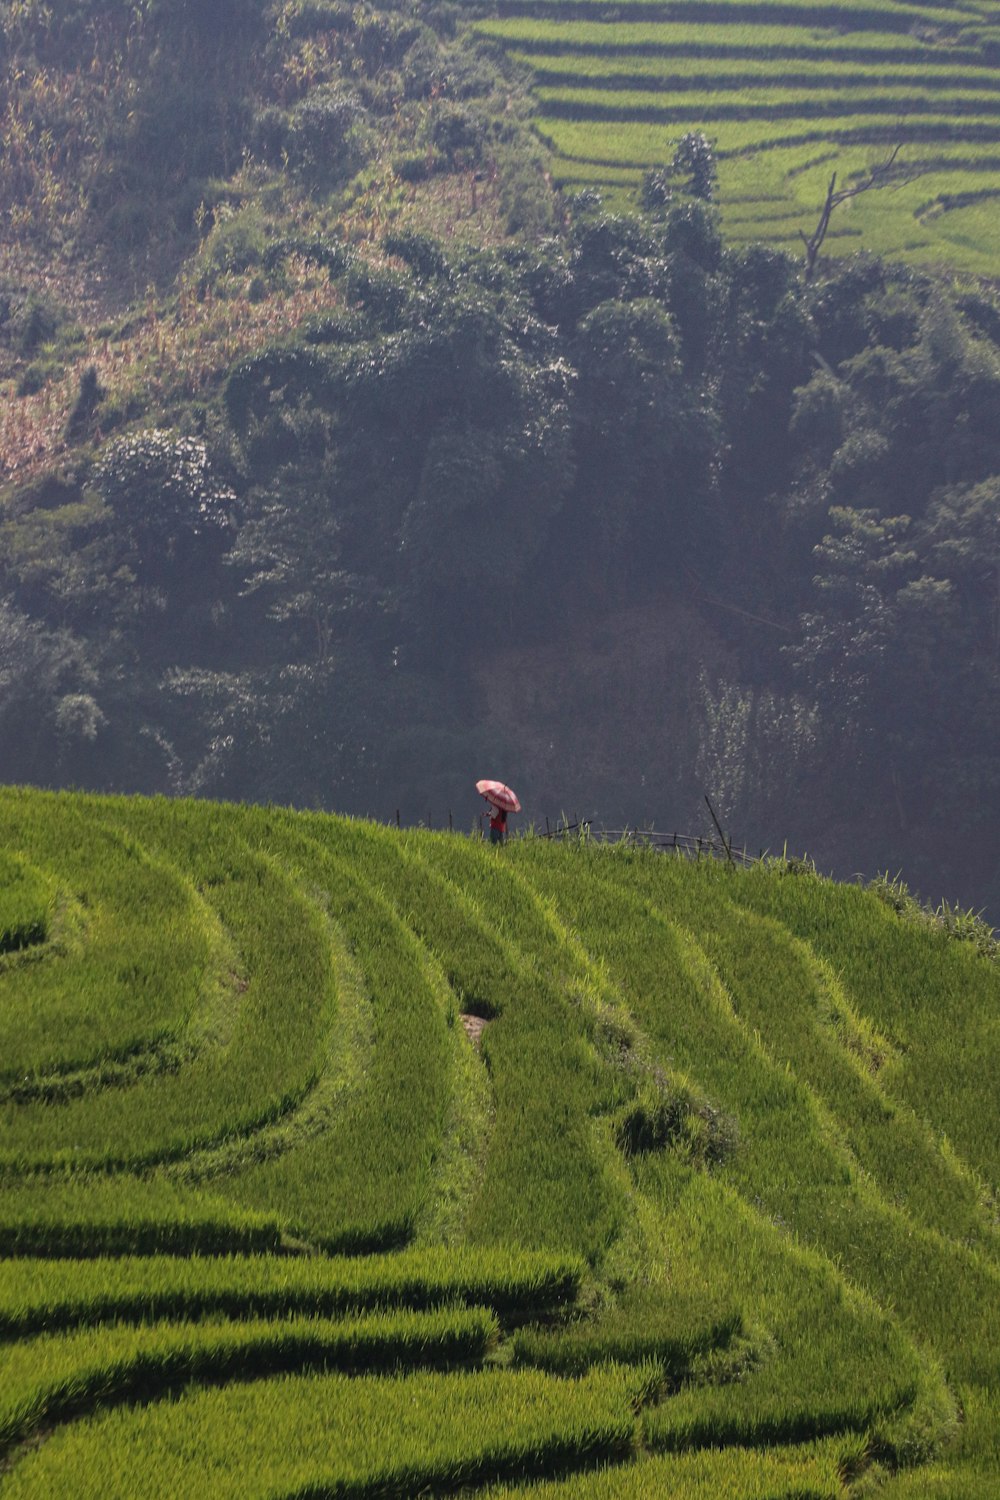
[{"x": 343, "y": 460}]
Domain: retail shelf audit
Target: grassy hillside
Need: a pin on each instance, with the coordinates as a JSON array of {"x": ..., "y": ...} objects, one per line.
[
  {"x": 704, "y": 1204},
  {"x": 788, "y": 94}
]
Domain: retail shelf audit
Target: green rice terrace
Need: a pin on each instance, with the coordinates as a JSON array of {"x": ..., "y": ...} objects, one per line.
[
  {"x": 344, "y": 1161},
  {"x": 788, "y": 93}
]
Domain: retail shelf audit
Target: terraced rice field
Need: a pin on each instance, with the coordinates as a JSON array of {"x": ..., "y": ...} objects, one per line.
[
  {"x": 706, "y": 1205},
  {"x": 788, "y": 93}
]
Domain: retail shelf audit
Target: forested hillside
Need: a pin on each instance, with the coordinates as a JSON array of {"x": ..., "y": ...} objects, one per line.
[
  {"x": 351, "y": 1162},
  {"x": 343, "y": 459}
]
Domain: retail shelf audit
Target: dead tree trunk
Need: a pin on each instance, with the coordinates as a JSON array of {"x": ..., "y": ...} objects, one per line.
[{"x": 878, "y": 177}]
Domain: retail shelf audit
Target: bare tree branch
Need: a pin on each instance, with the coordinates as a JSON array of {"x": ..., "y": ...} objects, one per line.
[{"x": 879, "y": 176}]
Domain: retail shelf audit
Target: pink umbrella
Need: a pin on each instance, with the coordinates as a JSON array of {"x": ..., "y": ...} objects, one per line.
[{"x": 499, "y": 795}]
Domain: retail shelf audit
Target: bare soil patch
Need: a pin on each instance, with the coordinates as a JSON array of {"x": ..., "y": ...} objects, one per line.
[{"x": 474, "y": 1028}]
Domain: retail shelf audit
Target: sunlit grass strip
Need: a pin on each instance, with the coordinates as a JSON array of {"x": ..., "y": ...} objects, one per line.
[
  {"x": 53, "y": 1377},
  {"x": 578, "y": 173},
  {"x": 921, "y": 135},
  {"x": 327, "y": 1435},
  {"x": 42, "y": 1296},
  {"x": 813, "y": 1470},
  {"x": 753, "y": 103},
  {"x": 847, "y": 13},
  {"x": 775, "y": 221},
  {"x": 640, "y": 143},
  {"x": 751, "y": 41},
  {"x": 942, "y": 1481},
  {"x": 709, "y": 77},
  {"x": 92, "y": 1216}
]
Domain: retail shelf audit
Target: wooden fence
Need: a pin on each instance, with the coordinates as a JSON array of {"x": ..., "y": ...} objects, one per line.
[{"x": 693, "y": 846}]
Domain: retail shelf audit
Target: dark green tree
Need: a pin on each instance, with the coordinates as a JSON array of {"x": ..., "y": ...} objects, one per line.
[
  {"x": 643, "y": 439},
  {"x": 695, "y": 160}
]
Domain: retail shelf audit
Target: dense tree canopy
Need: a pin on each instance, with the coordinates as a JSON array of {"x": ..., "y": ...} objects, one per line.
[{"x": 334, "y": 573}]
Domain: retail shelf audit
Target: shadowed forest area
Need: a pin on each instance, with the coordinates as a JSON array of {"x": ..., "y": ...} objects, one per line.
[{"x": 343, "y": 460}]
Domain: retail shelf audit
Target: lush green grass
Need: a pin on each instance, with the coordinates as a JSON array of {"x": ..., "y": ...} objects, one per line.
[
  {"x": 745, "y": 102},
  {"x": 44, "y": 1380},
  {"x": 38, "y": 1296},
  {"x": 783, "y": 79},
  {"x": 361, "y": 1171},
  {"x": 26, "y": 898},
  {"x": 89, "y": 1214},
  {"x": 546, "y": 1179},
  {"x": 831, "y": 1155},
  {"x": 905, "y": 979},
  {"x": 342, "y": 1437},
  {"x": 150, "y": 946},
  {"x": 815, "y": 1470},
  {"x": 752, "y": 40},
  {"x": 714, "y": 1131},
  {"x": 860, "y": 13},
  {"x": 264, "y": 1049}
]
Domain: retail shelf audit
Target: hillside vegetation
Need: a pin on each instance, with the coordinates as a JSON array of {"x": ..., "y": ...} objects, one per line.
[
  {"x": 787, "y": 94},
  {"x": 340, "y": 452},
  {"x": 708, "y": 1208}
]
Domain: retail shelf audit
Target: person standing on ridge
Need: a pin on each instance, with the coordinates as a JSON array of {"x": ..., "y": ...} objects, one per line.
[{"x": 500, "y": 800}]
